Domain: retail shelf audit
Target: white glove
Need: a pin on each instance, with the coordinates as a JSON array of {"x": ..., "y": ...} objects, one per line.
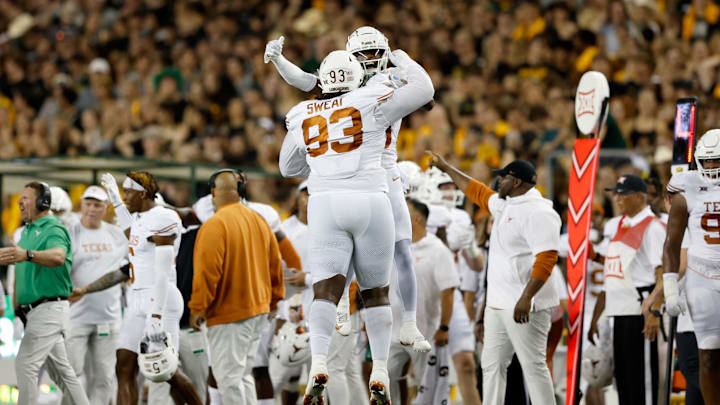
[
  {"x": 273, "y": 49},
  {"x": 400, "y": 58},
  {"x": 154, "y": 330},
  {"x": 673, "y": 302},
  {"x": 108, "y": 181},
  {"x": 460, "y": 237}
]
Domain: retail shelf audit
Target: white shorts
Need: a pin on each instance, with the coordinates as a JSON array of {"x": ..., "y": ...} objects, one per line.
[
  {"x": 462, "y": 338},
  {"x": 351, "y": 226},
  {"x": 133, "y": 324},
  {"x": 262, "y": 358},
  {"x": 401, "y": 215},
  {"x": 703, "y": 297}
]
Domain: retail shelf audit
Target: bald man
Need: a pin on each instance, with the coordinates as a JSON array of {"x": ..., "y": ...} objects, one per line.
[{"x": 238, "y": 280}]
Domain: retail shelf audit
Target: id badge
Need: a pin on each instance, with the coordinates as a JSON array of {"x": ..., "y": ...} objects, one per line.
[
  {"x": 198, "y": 342},
  {"x": 103, "y": 330}
]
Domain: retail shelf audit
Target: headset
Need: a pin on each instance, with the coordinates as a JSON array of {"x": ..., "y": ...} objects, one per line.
[
  {"x": 241, "y": 184},
  {"x": 43, "y": 200}
]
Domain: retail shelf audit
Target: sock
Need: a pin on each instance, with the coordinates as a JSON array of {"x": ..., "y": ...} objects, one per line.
[
  {"x": 268, "y": 401},
  {"x": 214, "y": 396},
  {"x": 322, "y": 324},
  {"x": 378, "y": 322},
  {"x": 407, "y": 285}
]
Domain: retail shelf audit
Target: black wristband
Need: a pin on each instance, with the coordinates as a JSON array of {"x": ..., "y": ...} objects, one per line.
[
  {"x": 480, "y": 321},
  {"x": 656, "y": 313},
  {"x": 444, "y": 328}
]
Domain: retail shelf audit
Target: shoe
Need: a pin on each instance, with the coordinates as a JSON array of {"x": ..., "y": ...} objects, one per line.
[
  {"x": 379, "y": 387},
  {"x": 411, "y": 336},
  {"x": 317, "y": 383},
  {"x": 343, "y": 325}
]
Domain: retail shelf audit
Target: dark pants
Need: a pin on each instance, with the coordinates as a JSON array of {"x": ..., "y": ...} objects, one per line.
[
  {"x": 631, "y": 363},
  {"x": 689, "y": 366}
]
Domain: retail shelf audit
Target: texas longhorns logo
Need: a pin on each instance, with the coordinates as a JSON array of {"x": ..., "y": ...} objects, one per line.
[{"x": 585, "y": 103}]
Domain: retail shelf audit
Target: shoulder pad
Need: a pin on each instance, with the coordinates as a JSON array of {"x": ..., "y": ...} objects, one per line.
[{"x": 683, "y": 181}]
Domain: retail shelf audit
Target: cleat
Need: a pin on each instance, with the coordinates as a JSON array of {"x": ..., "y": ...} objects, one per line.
[
  {"x": 411, "y": 336},
  {"x": 343, "y": 325},
  {"x": 379, "y": 391},
  {"x": 316, "y": 385}
]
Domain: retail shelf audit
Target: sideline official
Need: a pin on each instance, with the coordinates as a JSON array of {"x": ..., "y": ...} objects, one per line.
[
  {"x": 238, "y": 280},
  {"x": 524, "y": 241},
  {"x": 42, "y": 259}
]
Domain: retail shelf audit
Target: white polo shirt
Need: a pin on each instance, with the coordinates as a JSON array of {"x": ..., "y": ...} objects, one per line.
[
  {"x": 524, "y": 226},
  {"x": 434, "y": 272},
  {"x": 649, "y": 255}
]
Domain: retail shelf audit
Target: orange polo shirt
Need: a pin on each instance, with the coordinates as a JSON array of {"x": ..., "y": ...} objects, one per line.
[{"x": 237, "y": 267}]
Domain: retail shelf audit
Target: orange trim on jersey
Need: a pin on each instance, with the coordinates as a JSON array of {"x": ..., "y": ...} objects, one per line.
[
  {"x": 166, "y": 229},
  {"x": 381, "y": 98}
]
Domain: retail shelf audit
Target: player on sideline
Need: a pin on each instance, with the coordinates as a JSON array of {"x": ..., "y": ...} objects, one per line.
[
  {"x": 696, "y": 207},
  {"x": 338, "y": 140},
  {"x": 371, "y": 48},
  {"x": 154, "y": 302}
]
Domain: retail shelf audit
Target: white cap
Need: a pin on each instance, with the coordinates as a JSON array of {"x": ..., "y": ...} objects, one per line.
[
  {"x": 99, "y": 65},
  {"x": 96, "y": 193}
]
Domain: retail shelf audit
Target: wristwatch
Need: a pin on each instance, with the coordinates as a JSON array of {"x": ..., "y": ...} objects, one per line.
[
  {"x": 444, "y": 328},
  {"x": 30, "y": 255}
]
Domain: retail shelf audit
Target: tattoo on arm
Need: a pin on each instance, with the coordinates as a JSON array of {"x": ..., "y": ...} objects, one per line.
[{"x": 108, "y": 280}]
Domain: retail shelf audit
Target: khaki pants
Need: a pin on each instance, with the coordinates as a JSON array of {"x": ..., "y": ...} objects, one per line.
[
  {"x": 44, "y": 343},
  {"x": 233, "y": 347}
]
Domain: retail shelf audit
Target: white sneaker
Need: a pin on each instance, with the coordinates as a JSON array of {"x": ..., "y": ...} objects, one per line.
[
  {"x": 379, "y": 387},
  {"x": 411, "y": 336},
  {"x": 343, "y": 325},
  {"x": 317, "y": 383}
]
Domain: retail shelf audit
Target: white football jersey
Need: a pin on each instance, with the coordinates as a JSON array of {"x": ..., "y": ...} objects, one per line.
[
  {"x": 703, "y": 204},
  {"x": 204, "y": 209},
  {"x": 395, "y": 78},
  {"x": 157, "y": 221},
  {"x": 343, "y": 138}
]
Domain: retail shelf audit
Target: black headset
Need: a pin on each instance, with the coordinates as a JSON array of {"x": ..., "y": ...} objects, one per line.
[
  {"x": 241, "y": 184},
  {"x": 44, "y": 199}
]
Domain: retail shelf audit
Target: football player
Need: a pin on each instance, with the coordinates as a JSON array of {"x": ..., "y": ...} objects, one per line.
[
  {"x": 154, "y": 302},
  {"x": 696, "y": 207},
  {"x": 371, "y": 49},
  {"x": 338, "y": 140}
]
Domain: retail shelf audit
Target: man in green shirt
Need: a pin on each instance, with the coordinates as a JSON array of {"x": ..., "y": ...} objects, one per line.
[{"x": 42, "y": 260}]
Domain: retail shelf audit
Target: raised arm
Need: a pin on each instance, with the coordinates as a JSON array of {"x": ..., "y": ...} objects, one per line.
[
  {"x": 476, "y": 191},
  {"x": 292, "y": 74},
  {"x": 416, "y": 93}
]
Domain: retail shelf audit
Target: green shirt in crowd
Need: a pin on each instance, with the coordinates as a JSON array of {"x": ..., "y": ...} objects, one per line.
[{"x": 33, "y": 281}]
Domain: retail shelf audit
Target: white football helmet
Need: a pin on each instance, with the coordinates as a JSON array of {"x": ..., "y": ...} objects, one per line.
[
  {"x": 409, "y": 170},
  {"x": 708, "y": 147},
  {"x": 59, "y": 200},
  {"x": 340, "y": 72},
  {"x": 369, "y": 39},
  {"x": 449, "y": 198},
  {"x": 157, "y": 366},
  {"x": 293, "y": 347},
  {"x": 597, "y": 366}
]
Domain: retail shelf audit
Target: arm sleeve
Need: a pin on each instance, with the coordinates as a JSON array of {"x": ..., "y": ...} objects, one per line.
[
  {"x": 123, "y": 217},
  {"x": 544, "y": 264},
  {"x": 164, "y": 257},
  {"x": 207, "y": 263},
  {"x": 416, "y": 93},
  {"x": 277, "y": 281},
  {"x": 289, "y": 254},
  {"x": 295, "y": 76},
  {"x": 479, "y": 194},
  {"x": 292, "y": 159}
]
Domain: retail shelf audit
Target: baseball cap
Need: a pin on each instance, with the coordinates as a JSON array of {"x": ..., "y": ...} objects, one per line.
[
  {"x": 99, "y": 65},
  {"x": 521, "y": 169},
  {"x": 629, "y": 184},
  {"x": 96, "y": 193}
]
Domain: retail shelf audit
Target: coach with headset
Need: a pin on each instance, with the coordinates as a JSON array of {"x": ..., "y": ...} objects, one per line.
[
  {"x": 43, "y": 259},
  {"x": 238, "y": 280}
]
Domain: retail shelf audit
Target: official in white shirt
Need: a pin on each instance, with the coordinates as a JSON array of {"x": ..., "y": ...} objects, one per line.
[
  {"x": 632, "y": 266},
  {"x": 98, "y": 248},
  {"x": 523, "y": 250}
]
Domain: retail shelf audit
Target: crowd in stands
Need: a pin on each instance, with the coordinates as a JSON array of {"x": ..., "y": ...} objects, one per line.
[{"x": 185, "y": 81}]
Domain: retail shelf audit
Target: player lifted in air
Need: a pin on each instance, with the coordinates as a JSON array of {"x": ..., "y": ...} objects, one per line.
[
  {"x": 371, "y": 49},
  {"x": 696, "y": 207},
  {"x": 151, "y": 326},
  {"x": 338, "y": 140}
]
